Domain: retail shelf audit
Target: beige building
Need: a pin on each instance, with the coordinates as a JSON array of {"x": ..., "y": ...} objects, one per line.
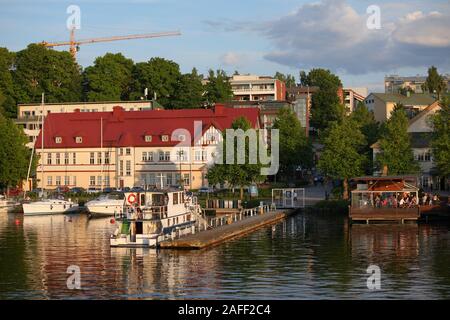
[
  {"x": 382, "y": 104},
  {"x": 419, "y": 130},
  {"x": 353, "y": 96},
  {"x": 133, "y": 148},
  {"x": 394, "y": 83},
  {"x": 29, "y": 116},
  {"x": 257, "y": 88}
]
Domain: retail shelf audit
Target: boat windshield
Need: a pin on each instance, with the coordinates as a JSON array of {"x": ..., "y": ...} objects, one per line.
[{"x": 114, "y": 196}]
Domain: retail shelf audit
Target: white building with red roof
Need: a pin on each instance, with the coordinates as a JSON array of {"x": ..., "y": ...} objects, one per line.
[{"x": 133, "y": 148}]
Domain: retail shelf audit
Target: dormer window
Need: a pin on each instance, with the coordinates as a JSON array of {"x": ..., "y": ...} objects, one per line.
[
  {"x": 79, "y": 139},
  {"x": 148, "y": 138},
  {"x": 181, "y": 137},
  {"x": 164, "y": 138},
  {"x": 58, "y": 139}
]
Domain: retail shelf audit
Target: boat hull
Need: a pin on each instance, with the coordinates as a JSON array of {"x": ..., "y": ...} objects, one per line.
[
  {"x": 105, "y": 210},
  {"x": 33, "y": 209}
]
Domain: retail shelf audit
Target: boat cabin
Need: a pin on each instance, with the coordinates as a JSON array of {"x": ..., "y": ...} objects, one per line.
[{"x": 394, "y": 198}]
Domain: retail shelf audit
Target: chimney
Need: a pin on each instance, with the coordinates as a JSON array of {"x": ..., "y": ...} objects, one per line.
[
  {"x": 219, "y": 108},
  {"x": 118, "y": 113}
]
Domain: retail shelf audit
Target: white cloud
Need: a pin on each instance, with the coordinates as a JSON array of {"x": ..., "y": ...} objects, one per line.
[
  {"x": 233, "y": 59},
  {"x": 332, "y": 34}
]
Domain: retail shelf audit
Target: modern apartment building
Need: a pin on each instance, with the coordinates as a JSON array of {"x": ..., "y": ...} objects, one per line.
[
  {"x": 353, "y": 96},
  {"x": 257, "y": 88},
  {"x": 133, "y": 148},
  {"x": 393, "y": 83},
  {"x": 382, "y": 104},
  {"x": 29, "y": 116}
]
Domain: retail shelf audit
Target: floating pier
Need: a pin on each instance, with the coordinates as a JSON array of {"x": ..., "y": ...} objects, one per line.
[{"x": 223, "y": 233}]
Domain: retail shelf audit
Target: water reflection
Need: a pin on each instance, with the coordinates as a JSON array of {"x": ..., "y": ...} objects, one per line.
[{"x": 311, "y": 256}]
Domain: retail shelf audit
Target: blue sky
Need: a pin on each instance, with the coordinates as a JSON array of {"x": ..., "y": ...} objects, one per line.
[{"x": 252, "y": 36}]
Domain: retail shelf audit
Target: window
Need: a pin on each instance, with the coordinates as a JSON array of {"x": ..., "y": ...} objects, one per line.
[
  {"x": 169, "y": 181},
  {"x": 144, "y": 156},
  {"x": 74, "y": 180},
  {"x": 164, "y": 138},
  {"x": 92, "y": 180},
  {"x": 58, "y": 139},
  {"x": 49, "y": 180},
  {"x": 150, "y": 156},
  {"x": 107, "y": 182},
  {"x": 181, "y": 155},
  {"x": 128, "y": 151},
  {"x": 175, "y": 198},
  {"x": 66, "y": 180},
  {"x": 148, "y": 138},
  {"x": 181, "y": 137},
  {"x": 106, "y": 157},
  {"x": 66, "y": 158},
  {"x": 128, "y": 168},
  {"x": 152, "y": 179},
  {"x": 161, "y": 156},
  {"x": 121, "y": 151},
  {"x": 204, "y": 155},
  {"x": 186, "y": 179},
  {"x": 99, "y": 180},
  {"x": 49, "y": 158},
  {"x": 167, "y": 156},
  {"x": 99, "y": 158},
  {"x": 74, "y": 158},
  {"x": 58, "y": 158},
  {"x": 200, "y": 155},
  {"x": 79, "y": 140},
  {"x": 58, "y": 180},
  {"x": 91, "y": 160},
  {"x": 427, "y": 156},
  {"x": 121, "y": 168}
]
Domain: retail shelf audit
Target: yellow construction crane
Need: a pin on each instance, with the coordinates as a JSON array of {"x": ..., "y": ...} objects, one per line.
[{"x": 74, "y": 44}]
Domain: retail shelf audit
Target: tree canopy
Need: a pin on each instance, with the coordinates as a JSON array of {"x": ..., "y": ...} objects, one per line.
[
  {"x": 341, "y": 157},
  {"x": 395, "y": 146},
  {"x": 288, "y": 79},
  {"x": 440, "y": 142},
  {"x": 295, "y": 148},
  {"x": 435, "y": 82},
  {"x": 218, "y": 88},
  {"x": 325, "y": 106}
]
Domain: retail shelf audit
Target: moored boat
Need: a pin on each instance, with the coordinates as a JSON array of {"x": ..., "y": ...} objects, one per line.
[
  {"x": 153, "y": 216},
  {"x": 107, "y": 205},
  {"x": 7, "y": 205},
  {"x": 48, "y": 207}
]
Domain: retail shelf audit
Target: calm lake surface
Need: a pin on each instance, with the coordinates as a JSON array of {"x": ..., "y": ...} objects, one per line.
[{"x": 308, "y": 256}]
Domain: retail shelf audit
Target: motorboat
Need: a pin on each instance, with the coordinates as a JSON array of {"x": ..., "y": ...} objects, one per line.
[
  {"x": 48, "y": 207},
  {"x": 107, "y": 205},
  {"x": 153, "y": 216},
  {"x": 7, "y": 205}
]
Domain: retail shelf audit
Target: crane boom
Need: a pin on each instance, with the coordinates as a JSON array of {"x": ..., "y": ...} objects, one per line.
[{"x": 73, "y": 43}]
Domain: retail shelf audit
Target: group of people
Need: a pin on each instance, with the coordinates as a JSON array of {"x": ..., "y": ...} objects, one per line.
[{"x": 405, "y": 200}]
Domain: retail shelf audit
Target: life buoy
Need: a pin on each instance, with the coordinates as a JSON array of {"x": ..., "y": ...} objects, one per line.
[{"x": 132, "y": 198}]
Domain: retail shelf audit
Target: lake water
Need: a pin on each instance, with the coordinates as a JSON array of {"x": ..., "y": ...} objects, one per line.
[{"x": 308, "y": 256}]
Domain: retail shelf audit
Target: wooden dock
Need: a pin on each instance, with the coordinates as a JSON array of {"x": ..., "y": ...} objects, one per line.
[
  {"x": 384, "y": 214},
  {"x": 221, "y": 234}
]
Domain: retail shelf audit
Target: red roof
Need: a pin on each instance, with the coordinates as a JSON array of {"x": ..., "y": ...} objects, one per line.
[{"x": 128, "y": 128}]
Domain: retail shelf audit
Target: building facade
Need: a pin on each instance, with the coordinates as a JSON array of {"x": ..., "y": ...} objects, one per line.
[
  {"x": 382, "y": 104},
  {"x": 257, "y": 88},
  {"x": 133, "y": 148},
  {"x": 29, "y": 116},
  {"x": 394, "y": 83},
  {"x": 353, "y": 96}
]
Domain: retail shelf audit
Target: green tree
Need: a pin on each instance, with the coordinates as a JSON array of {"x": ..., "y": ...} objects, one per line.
[
  {"x": 218, "y": 88},
  {"x": 189, "y": 91},
  {"x": 7, "y": 103},
  {"x": 288, "y": 79},
  {"x": 396, "y": 156},
  {"x": 295, "y": 148},
  {"x": 14, "y": 155},
  {"x": 341, "y": 157},
  {"x": 435, "y": 82},
  {"x": 109, "y": 79},
  {"x": 440, "y": 141},
  {"x": 325, "y": 106},
  {"x": 236, "y": 175},
  {"x": 370, "y": 129},
  {"x": 160, "y": 76},
  {"x": 39, "y": 69}
]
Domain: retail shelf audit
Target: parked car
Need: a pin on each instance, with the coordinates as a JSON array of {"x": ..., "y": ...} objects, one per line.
[
  {"x": 62, "y": 189},
  {"x": 137, "y": 189},
  {"x": 108, "y": 190},
  {"x": 205, "y": 190},
  {"x": 77, "y": 190},
  {"x": 92, "y": 190}
]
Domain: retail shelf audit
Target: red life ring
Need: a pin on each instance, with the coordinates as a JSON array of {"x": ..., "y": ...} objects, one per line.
[{"x": 132, "y": 196}]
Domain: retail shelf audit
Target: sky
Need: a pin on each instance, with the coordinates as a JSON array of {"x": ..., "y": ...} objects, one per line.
[{"x": 251, "y": 36}]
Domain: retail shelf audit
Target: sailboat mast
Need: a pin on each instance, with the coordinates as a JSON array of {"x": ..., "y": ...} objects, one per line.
[
  {"x": 101, "y": 152},
  {"x": 42, "y": 144}
]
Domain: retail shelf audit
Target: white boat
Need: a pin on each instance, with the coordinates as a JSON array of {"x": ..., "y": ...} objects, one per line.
[
  {"x": 48, "y": 207},
  {"x": 151, "y": 217},
  {"x": 110, "y": 204},
  {"x": 7, "y": 205}
]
